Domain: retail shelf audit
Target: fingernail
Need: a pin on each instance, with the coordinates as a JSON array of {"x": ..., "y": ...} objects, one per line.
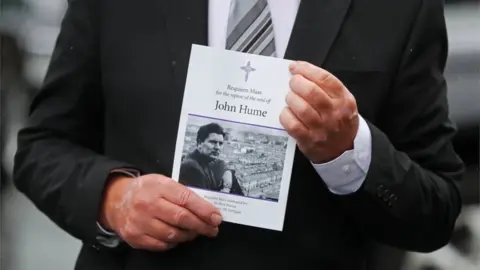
[
  {"x": 172, "y": 245},
  {"x": 292, "y": 66},
  {"x": 216, "y": 219}
]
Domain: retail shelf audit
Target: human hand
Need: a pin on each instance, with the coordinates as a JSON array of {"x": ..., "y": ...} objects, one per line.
[
  {"x": 154, "y": 212},
  {"x": 321, "y": 113}
]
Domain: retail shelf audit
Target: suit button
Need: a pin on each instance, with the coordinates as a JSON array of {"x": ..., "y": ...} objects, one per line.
[
  {"x": 393, "y": 198},
  {"x": 380, "y": 191},
  {"x": 386, "y": 194}
]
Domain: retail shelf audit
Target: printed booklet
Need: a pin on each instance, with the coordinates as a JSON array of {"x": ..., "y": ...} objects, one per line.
[{"x": 231, "y": 148}]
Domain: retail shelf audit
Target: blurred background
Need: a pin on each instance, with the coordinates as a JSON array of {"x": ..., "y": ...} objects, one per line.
[{"x": 29, "y": 241}]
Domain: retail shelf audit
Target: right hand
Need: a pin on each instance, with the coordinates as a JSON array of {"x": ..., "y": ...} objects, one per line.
[{"x": 154, "y": 212}]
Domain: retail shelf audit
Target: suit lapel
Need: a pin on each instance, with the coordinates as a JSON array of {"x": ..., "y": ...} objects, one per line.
[
  {"x": 187, "y": 24},
  {"x": 316, "y": 27}
]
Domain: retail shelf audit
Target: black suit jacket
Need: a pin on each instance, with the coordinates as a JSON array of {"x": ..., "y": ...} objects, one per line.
[{"x": 112, "y": 98}]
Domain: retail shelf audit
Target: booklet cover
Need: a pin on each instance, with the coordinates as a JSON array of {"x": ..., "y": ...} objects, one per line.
[{"x": 231, "y": 148}]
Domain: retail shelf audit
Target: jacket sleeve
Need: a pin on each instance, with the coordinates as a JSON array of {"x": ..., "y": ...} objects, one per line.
[
  {"x": 410, "y": 197},
  {"x": 59, "y": 163}
]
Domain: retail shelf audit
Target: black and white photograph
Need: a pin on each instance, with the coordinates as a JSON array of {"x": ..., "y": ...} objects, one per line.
[{"x": 231, "y": 157}]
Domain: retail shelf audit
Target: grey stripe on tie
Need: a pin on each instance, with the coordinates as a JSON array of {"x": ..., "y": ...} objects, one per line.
[
  {"x": 262, "y": 41},
  {"x": 269, "y": 50},
  {"x": 238, "y": 10},
  {"x": 252, "y": 31},
  {"x": 251, "y": 16},
  {"x": 259, "y": 37}
]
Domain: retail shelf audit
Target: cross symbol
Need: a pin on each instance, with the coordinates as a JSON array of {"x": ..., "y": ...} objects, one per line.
[{"x": 247, "y": 70}]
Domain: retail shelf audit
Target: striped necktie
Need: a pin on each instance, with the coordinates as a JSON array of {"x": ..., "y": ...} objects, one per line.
[{"x": 250, "y": 28}]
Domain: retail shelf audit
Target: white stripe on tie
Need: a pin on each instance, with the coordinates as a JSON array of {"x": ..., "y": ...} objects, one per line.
[{"x": 250, "y": 28}]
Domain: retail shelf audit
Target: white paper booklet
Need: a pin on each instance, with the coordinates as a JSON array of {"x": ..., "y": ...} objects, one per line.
[{"x": 231, "y": 148}]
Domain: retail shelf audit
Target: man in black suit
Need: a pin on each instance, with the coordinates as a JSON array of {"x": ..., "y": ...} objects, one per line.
[{"x": 374, "y": 162}]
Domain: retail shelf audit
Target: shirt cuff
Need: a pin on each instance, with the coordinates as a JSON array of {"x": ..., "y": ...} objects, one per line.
[
  {"x": 105, "y": 237},
  {"x": 346, "y": 174}
]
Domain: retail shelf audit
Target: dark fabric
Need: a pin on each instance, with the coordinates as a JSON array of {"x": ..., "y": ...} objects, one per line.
[
  {"x": 112, "y": 98},
  {"x": 236, "y": 188},
  {"x": 202, "y": 172}
]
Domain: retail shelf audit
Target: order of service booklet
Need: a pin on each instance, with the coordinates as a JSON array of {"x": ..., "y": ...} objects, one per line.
[{"x": 231, "y": 148}]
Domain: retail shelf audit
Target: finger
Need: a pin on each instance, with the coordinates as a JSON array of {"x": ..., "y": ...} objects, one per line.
[
  {"x": 147, "y": 242},
  {"x": 324, "y": 79},
  {"x": 311, "y": 93},
  {"x": 303, "y": 111},
  {"x": 182, "y": 218},
  {"x": 167, "y": 233},
  {"x": 293, "y": 126},
  {"x": 186, "y": 198}
]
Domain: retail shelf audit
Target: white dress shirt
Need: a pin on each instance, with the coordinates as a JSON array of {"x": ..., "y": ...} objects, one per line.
[{"x": 345, "y": 174}]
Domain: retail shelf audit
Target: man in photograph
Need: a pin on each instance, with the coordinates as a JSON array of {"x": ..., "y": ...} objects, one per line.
[
  {"x": 203, "y": 168},
  {"x": 367, "y": 106}
]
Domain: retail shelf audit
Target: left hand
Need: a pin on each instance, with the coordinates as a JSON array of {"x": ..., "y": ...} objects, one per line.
[{"x": 321, "y": 113}]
